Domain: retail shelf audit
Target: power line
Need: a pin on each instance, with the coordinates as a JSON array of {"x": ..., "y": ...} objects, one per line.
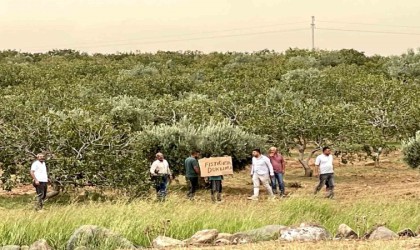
[
  {"x": 196, "y": 38},
  {"x": 371, "y": 31},
  {"x": 371, "y": 24},
  {"x": 174, "y": 36}
]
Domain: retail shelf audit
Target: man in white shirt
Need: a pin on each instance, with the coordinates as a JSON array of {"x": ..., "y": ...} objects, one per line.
[
  {"x": 40, "y": 179},
  {"x": 324, "y": 162},
  {"x": 160, "y": 173},
  {"x": 261, "y": 170}
]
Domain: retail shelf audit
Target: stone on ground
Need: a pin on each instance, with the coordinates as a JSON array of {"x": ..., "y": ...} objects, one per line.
[
  {"x": 163, "y": 241},
  {"x": 40, "y": 245},
  {"x": 89, "y": 235},
  {"x": 305, "y": 233},
  {"x": 382, "y": 233},
  {"x": 406, "y": 233},
  {"x": 203, "y": 237},
  {"x": 224, "y": 236},
  {"x": 222, "y": 242},
  {"x": 346, "y": 232},
  {"x": 270, "y": 232}
]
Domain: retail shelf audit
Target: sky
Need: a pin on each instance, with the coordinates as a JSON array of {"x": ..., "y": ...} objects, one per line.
[{"x": 385, "y": 27}]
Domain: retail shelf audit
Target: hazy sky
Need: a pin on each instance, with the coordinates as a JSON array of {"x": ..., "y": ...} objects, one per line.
[{"x": 208, "y": 25}]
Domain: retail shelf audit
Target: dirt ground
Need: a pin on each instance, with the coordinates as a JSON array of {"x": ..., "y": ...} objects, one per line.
[{"x": 358, "y": 180}]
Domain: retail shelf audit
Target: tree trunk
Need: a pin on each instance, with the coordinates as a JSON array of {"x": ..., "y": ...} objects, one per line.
[
  {"x": 305, "y": 162},
  {"x": 56, "y": 191},
  {"x": 308, "y": 172}
]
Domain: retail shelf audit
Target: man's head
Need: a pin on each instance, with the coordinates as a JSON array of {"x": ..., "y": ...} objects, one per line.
[
  {"x": 40, "y": 157},
  {"x": 159, "y": 156},
  {"x": 256, "y": 152},
  {"x": 272, "y": 151},
  {"x": 326, "y": 151},
  {"x": 195, "y": 153}
]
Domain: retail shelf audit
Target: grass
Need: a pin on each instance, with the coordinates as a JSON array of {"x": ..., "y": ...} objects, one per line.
[
  {"x": 364, "y": 197},
  {"x": 141, "y": 221}
]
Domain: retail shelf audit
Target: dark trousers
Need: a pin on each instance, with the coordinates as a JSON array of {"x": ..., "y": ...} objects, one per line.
[
  {"x": 216, "y": 188},
  {"x": 41, "y": 194},
  {"x": 278, "y": 178},
  {"x": 193, "y": 186},
  {"x": 328, "y": 180},
  {"x": 161, "y": 184}
]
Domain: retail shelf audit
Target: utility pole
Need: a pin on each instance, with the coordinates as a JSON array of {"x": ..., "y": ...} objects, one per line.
[{"x": 313, "y": 32}]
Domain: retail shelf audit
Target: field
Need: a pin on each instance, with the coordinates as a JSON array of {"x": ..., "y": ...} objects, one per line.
[{"x": 365, "y": 196}]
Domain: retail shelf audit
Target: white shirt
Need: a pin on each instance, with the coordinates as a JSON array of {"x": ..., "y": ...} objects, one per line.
[
  {"x": 325, "y": 164},
  {"x": 262, "y": 166},
  {"x": 40, "y": 171},
  {"x": 161, "y": 166}
]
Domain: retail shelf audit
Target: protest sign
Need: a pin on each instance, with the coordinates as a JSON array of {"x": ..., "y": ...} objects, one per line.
[{"x": 215, "y": 166}]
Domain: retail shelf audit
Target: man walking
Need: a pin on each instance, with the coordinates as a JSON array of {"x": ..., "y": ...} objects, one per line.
[
  {"x": 261, "y": 171},
  {"x": 192, "y": 172},
  {"x": 161, "y": 173},
  {"x": 279, "y": 167},
  {"x": 324, "y": 162},
  {"x": 39, "y": 180}
]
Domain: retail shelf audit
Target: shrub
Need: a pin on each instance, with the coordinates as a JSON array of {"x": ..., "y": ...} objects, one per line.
[
  {"x": 212, "y": 139},
  {"x": 411, "y": 150}
]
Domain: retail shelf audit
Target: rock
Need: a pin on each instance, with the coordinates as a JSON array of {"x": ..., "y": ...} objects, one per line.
[
  {"x": 89, "y": 235},
  {"x": 163, "y": 241},
  {"x": 266, "y": 233},
  {"x": 40, "y": 245},
  {"x": 406, "y": 233},
  {"x": 346, "y": 232},
  {"x": 10, "y": 247},
  {"x": 305, "y": 233},
  {"x": 382, "y": 233},
  {"x": 370, "y": 163},
  {"x": 203, "y": 237},
  {"x": 222, "y": 242},
  {"x": 224, "y": 236},
  {"x": 24, "y": 248}
]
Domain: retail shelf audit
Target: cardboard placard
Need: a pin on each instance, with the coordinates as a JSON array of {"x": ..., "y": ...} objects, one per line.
[{"x": 215, "y": 166}]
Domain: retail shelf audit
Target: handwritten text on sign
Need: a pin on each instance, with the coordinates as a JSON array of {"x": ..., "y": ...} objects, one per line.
[{"x": 215, "y": 166}]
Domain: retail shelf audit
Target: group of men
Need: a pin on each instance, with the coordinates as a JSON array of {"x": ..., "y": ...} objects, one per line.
[{"x": 268, "y": 170}]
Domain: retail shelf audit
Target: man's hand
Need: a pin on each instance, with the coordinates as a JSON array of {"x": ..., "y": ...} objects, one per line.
[{"x": 36, "y": 182}]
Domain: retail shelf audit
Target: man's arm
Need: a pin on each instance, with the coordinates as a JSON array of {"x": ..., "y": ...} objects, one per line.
[
  {"x": 196, "y": 167},
  {"x": 33, "y": 168},
  {"x": 153, "y": 168},
  {"x": 317, "y": 163},
  {"x": 270, "y": 166}
]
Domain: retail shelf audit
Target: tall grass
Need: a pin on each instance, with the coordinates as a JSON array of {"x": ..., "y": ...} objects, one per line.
[{"x": 141, "y": 221}]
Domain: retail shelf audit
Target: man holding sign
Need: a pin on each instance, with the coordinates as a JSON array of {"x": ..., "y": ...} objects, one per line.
[
  {"x": 215, "y": 168},
  {"x": 261, "y": 170}
]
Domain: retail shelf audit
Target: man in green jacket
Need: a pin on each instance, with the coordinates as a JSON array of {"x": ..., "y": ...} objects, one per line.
[{"x": 192, "y": 172}]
